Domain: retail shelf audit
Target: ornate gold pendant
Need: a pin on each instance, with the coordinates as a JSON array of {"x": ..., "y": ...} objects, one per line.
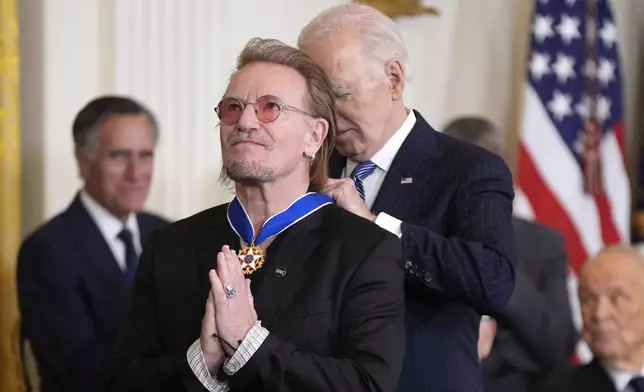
[{"x": 251, "y": 259}]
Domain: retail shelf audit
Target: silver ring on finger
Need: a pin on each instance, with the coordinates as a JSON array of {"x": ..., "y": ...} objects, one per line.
[{"x": 230, "y": 291}]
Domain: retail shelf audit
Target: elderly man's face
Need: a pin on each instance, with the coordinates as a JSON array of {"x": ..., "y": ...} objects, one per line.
[
  {"x": 119, "y": 171},
  {"x": 364, "y": 100},
  {"x": 257, "y": 151},
  {"x": 611, "y": 293}
]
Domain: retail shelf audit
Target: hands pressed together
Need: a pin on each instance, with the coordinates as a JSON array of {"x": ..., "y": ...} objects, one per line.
[{"x": 230, "y": 311}]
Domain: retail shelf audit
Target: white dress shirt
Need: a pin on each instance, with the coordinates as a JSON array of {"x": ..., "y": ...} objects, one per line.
[
  {"x": 110, "y": 227},
  {"x": 621, "y": 378},
  {"x": 383, "y": 160}
]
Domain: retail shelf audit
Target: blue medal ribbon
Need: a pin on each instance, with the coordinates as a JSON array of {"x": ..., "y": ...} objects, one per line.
[{"x": 298, "y": 210}]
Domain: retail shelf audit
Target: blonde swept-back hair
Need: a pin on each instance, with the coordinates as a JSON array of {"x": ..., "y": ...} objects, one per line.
[{"x": 321, "y": 102}]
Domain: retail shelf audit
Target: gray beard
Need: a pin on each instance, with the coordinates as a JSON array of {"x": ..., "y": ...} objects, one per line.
[{"x": 254, "y": 173}]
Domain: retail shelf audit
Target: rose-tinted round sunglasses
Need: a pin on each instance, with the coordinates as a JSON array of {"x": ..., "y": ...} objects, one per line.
[{"x": 267, "y": 109}]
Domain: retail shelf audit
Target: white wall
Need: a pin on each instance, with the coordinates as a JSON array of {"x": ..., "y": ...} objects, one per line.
[
  {"x": 61, "y": 67},
  {"x": 176, "y": 56}
]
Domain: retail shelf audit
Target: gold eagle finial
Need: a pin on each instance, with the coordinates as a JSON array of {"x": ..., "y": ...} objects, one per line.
[{"x": 396, "y": 8}]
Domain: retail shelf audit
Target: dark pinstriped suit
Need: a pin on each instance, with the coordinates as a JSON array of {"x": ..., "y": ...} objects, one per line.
[{"x": 457, "y": 242}]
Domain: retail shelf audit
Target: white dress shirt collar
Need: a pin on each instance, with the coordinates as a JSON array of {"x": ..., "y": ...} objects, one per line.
[
  {"x": 621, "y": 378},
  {"x": 385, "y": 157},
  {"x": 110, "y": 226}
]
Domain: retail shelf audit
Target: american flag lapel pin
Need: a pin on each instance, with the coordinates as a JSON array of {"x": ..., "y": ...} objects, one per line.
[{"x": 406, "y": 180}]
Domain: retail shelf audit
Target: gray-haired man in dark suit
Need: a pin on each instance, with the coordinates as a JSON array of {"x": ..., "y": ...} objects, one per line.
[{"x": 536, "y": 335}]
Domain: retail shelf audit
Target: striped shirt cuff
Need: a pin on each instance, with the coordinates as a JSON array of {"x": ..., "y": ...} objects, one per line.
[
  {"x": 199, "y": 367},
  {"x": 251, "y": 343}
]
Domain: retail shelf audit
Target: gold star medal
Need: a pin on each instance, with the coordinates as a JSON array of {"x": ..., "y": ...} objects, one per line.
[{"x": 251, "y": 258}]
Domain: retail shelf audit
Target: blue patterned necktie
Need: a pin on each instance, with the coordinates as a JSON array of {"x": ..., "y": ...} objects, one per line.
[
  {"x": 131, "y": 258},
  {"x": 362, "y": 171},
  {"x": 637, "y": 384}
]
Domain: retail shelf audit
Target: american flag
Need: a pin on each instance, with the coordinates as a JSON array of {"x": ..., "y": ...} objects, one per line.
[{"x": 572, "y": 172}]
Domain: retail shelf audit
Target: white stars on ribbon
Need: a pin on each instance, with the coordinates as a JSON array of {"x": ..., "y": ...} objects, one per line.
[
  {"x": 564, "y": 67},
  {"x": 542, "y": 27},
  {"x": 539, "y": 65},
  {"x": 568, "y": 28},
  {"x": 560, "y": 105}
]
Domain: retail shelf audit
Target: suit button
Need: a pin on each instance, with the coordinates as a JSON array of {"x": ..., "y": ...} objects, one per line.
[
  {"x": 413, "y": 269},
  {"x": 428, "y": 277},
  {"x": 419, "y": 273},
  {"x": 407, "y": 264}
]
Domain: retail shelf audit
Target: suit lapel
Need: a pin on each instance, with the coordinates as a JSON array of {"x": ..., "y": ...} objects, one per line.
[
  {"x": 91, "y": 242},
  {"x": 409, "y": 164},
  {"x": 295, "y": 249},
  {"x": 597, "y": 378}
]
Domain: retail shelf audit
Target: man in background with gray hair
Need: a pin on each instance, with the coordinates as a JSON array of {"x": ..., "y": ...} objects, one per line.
[
  {"x": 611, "y": 297},
  {"x": 536, "y": 334},
  {"x": 75, "y": 271},
  {"x": 450, "y": 203}
]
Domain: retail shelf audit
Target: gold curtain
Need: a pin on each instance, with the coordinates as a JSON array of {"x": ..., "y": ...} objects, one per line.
[{"x": 10, "y": 233}]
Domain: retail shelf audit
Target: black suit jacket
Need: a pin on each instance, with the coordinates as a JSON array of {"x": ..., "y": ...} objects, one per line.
[
  {"x": 458, "y": 252},
  {"x": 72, "y": 295},
  {"x": 335, "y": 318},
  {"x": 590, "y": 377},
  {"x": 536, "y": 335}
]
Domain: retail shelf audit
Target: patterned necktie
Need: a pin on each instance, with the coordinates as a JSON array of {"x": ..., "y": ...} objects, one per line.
[
  {"x": 131, "y": 258},
  {"x": 637, "y": 384},
  {"x": 362, "y": 171}
]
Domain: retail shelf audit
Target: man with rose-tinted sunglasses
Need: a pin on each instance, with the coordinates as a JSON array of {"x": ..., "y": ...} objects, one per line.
[{"x": 279, "y": 290}]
